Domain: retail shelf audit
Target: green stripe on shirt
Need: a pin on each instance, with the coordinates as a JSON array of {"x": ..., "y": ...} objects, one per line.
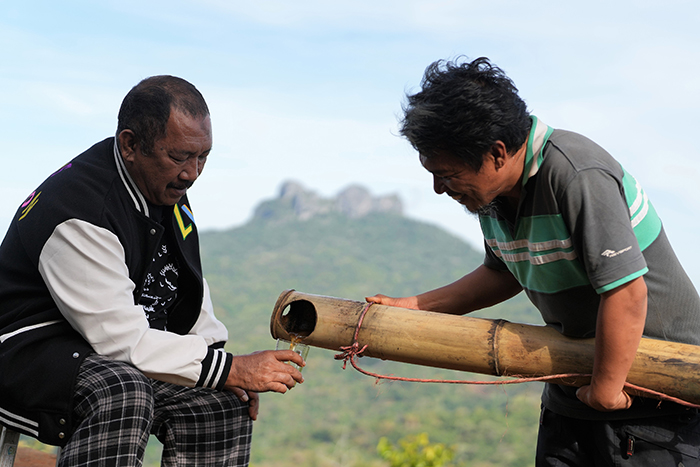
[
  {"x": 541, "y": 257},
  {"x": 645, "y": 221}
]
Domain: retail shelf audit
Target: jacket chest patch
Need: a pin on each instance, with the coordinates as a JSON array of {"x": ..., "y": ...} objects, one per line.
[{"x": 185, "y": 230}]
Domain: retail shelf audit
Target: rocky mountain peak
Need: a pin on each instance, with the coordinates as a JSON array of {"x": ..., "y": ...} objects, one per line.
[{"x": 297, "y": 202}]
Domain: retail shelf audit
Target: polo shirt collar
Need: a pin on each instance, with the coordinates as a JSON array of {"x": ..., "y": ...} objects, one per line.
[{"x": 539, "y": 134}]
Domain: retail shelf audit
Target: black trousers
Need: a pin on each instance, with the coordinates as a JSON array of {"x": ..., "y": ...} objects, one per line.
[{"x": 672, "y": 440}]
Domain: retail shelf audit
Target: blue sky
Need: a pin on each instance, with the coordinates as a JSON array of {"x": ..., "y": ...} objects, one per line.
[{"x": 311, "y": 90}]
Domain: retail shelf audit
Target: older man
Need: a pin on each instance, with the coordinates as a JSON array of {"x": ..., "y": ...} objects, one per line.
[
  {"x": 107, "y": 332},
  {"x": 565, "y": 222}
]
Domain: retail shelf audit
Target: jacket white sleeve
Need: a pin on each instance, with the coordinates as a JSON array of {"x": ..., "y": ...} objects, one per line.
[
  {"x": 207, "y": 325},
  {"x": 84, "y": 268}
]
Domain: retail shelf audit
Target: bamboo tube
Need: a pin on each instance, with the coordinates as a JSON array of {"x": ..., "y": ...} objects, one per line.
[{"x": 491, "y": 347}]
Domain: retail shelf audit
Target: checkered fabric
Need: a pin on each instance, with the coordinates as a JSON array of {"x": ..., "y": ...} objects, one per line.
[{"x": 118, "y": 407}]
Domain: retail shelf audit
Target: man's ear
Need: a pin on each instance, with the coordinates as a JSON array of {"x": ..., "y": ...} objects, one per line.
[
  {"x": 500, "y": 154},
  {"x": 127, "y": 145}
]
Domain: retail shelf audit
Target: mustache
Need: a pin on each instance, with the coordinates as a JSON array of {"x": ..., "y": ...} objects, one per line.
[{"x": 180, "y": 186}]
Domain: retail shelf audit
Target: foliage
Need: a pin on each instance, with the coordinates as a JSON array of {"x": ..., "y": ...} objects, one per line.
[
  {"x": 415, "y": 451},
  {"x": 336, "y": 417}
]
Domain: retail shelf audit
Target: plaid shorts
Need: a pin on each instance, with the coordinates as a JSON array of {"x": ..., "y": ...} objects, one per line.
[{"x": 117, "y": 407}]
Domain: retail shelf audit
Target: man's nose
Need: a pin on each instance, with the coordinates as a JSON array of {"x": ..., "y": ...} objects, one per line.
[
  {"x": 191, "y": 170},
  {"x": 438, "y": 185}
]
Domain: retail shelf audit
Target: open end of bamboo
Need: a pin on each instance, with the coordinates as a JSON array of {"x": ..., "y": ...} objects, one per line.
[{"x": 298, "y": 318}]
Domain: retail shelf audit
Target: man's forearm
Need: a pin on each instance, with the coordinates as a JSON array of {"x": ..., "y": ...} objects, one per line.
[
  {"x": 479, "y": 289},
  {"x": 619, "y": 328}
]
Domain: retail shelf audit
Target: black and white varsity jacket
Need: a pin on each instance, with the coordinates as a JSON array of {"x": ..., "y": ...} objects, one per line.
[{"x": 72, "y": 268}]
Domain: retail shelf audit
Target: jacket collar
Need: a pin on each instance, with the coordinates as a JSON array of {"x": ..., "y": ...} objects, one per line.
[{"x": 131, "y": 187}]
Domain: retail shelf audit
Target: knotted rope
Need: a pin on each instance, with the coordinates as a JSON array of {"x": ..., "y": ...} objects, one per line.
[{"x": 351, "y": 352}]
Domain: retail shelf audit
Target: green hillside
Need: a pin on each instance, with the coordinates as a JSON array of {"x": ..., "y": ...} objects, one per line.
[{"x": 337, "y": 417}]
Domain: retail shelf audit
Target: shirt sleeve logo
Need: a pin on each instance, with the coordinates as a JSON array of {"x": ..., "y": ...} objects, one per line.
[{"x": 612, "y": 254}]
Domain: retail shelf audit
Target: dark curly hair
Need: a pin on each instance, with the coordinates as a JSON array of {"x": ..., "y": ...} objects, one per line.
[
  {"x": 146, "y": 108},
  {"x": 463, "y": 108}
]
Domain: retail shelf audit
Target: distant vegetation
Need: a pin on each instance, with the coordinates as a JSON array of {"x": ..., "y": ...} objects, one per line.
[{"x": 336, "y": 418}]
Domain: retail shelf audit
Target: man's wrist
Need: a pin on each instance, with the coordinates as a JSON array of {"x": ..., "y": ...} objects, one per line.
[{"x": 605, "y": 397}]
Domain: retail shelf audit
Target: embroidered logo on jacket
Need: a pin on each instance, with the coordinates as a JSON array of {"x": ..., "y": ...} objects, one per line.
[
  {"x": 67, "y": 166},
  {"x": 32, "y": 199},
  {"x": 28, "y": 204},
  {"x": 184, "y": 229}
]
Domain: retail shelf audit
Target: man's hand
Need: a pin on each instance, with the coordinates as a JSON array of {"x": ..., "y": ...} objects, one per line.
[
  {"x": 261, "y": 372},
  {"x": 252, "y": 398},
  {"x": 403, "y": 302},
  {"x": 269, "y": 376},
  {"x": 620, "y": 402}
]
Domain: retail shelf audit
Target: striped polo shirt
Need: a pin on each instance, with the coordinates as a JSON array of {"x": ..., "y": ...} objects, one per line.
[{"x": 585, "y": 226}]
